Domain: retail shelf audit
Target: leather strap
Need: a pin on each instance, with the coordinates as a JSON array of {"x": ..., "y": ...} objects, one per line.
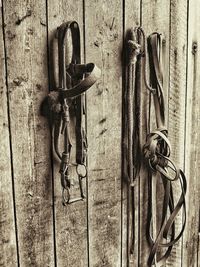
[
  {"x": 157, "y": 148},
  {"x": 94, "y": 74},
  {"x": 157, "y": 152},
  {"x": 74, "y": 80}
]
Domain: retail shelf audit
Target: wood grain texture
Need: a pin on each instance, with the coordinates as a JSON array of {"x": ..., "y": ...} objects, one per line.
[
  {"x": 103, "y": 46},
  {"x": 8, "y": 246},
  {"x": 70, "y": 220},
  {"x": 100, "y": 241},
  {"x": 198, "y": 251},
  {"x": 26, "y": 42},
  {"x": 192, "y": 156},
  {"x": 154, "y": 21},
  {"x": 131, "y": 14},
  {"x": 178, "y": 53},
  {"x": 131, "y": 20}
]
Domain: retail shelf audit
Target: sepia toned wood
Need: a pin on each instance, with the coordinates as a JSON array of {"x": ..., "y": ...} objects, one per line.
[
  {"x": 35, "y": 228},
  {"x": 198, "y": 251},
  {"x": 8, "y": 246},
  {"x": 104, "y": 37},
  {"x": 154, "y": 21},
  {"x": 132, "y": 14},
  {"x": 26, "y": 43},
  {"x": 70, "y": 220},
  {"x": 177, "y": 94},
  {"x": 131, "y": 20},
  {"x": 192, "y": 151}
]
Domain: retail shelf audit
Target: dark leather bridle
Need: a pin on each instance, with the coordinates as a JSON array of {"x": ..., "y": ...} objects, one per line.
[
  {"x": 74, "y": 80},
  {"x": 156, "y": 151}
]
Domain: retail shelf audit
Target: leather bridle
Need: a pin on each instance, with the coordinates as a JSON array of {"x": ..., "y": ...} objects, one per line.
[
  {"x": 74, "y": 80},
  {"x": 157, "y": 148}
]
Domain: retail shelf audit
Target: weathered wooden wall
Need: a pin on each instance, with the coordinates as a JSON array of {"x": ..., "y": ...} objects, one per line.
[{"x": 35, "y": 229}]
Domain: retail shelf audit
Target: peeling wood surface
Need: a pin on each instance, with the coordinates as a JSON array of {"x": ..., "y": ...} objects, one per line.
[
  {"x": 8, "y": 245},
  {"x": 25, "y": 39},
  {"x": 92, "y": 233},
  {"x": 192, "y": 150},
  {"x": 177, "y": 96},
  {"x": 103, "y": 45}
]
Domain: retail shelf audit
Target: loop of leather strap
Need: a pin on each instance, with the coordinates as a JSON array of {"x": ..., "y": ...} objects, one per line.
[
  {"x": 87, "y": 75},
  {"x": 84, "y": 84},
  {"x": 70, "y": 93},
  {"x": 157, "y": 150},
  {"x": 92, "y": 71}
]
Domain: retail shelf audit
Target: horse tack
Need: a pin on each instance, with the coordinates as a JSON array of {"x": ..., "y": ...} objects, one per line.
[
  {"x": 129, "y": 133},
  {"x": 156, "y": 150},
  {"x": 74, "y": 80}
]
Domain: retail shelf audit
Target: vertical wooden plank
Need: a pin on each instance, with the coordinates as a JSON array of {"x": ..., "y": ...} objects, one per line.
[
  {"x": 8, "y": 246},
  {"x": 153, "y": 20},
  {"x": 198, "y": 251},
  {"x": 104, "y": 31},
  {"x": 131, "y": 20},
  {"x": 131, "y": 14},
  {"x": 192, "y": 157},
  {"x": 70, "y": 220},
  {"x": 178, "y": 52},
  {"x": 26, "y": 42}
]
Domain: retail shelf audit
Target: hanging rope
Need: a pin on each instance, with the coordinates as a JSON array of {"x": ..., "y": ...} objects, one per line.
[
  {"x": 157, "y": 148},
  {"x": 133, "y": 50}
]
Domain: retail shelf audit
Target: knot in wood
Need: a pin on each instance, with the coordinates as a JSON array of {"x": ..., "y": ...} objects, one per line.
[{"x": 194, "y": 48}]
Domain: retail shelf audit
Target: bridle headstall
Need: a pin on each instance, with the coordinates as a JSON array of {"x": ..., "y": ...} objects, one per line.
[{"x": 74, "y": 80}]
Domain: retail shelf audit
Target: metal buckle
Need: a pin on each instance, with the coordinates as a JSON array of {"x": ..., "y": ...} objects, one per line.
[{"x": 66, "y": 184}]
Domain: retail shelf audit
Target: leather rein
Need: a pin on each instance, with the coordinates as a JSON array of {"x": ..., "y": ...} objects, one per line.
[
  {"x": 157, "y": 149},
  {"x": 74, "y": 80}
]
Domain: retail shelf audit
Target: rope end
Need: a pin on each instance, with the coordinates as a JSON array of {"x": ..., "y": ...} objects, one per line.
[{"x": 133, "y": 51}]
